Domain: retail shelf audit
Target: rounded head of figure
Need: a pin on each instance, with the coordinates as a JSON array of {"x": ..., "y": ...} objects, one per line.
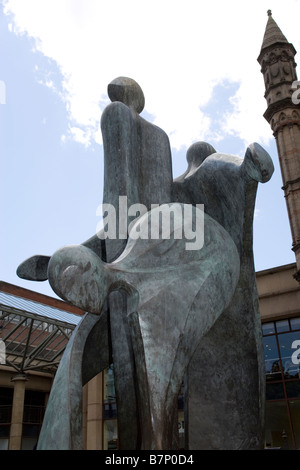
[
  {"x": 198, "y": 152},
  {"x": 77, "y": 275},
  {"x": 127, "y": 91}
]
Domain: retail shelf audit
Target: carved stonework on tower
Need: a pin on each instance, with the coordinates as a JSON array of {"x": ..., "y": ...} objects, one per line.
[{"x": 278, "y": 67}]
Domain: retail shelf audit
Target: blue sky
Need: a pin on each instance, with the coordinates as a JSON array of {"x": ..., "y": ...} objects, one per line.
[{"x": 56, "y": 61}]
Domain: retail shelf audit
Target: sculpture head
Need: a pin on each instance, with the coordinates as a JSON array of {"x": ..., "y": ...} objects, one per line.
[
  {"x": 127, "y": 91},
  {"x": 197, "y": 153},
  {"x": 76, "y": 274}
]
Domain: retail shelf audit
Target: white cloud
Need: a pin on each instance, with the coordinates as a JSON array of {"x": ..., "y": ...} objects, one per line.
[
  {"x": 246, "y": 119},
  {"x": 176, "y": 50}
]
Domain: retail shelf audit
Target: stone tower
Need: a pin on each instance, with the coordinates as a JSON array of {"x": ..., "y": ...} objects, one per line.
[{"x": 283, "y": 114}]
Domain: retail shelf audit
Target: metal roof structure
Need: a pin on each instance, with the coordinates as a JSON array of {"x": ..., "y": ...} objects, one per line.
[{"x": 33, "y": 335}]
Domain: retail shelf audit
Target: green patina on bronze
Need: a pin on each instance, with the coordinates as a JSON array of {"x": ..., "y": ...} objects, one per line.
[{"x": 161, "y": 313}]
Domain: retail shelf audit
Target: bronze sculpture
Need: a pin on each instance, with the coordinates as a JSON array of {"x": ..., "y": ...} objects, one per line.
[{"x": 156, "y": 309}]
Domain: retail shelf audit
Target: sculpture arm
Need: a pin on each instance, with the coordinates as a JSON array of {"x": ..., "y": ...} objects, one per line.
[{"x": 35, "y": 268}]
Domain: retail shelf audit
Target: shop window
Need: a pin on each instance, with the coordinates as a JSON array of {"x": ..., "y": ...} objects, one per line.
[
  {"x": 268, "y": 328},
  {"x": 295, "y": 323},
  {"x": 110, "y": 410},
  {"x": 293, "y": 389},
  {"x": 272, "y": 362},
  {"x": 181, "y": 429},
  {"x": 281, "y": 341},
  {"x": 6, "y": 397},
  {"x": 34, "y": 407},
  {"x": 4, "y": 431},
  {"x": 274, "y": 391},
  {"x": 278, "y": 431},
  {"x": 282, "y": 326},
  {"x": 288, "y": 352},
  {"x": 30, "y": 436},
  {"x": 294, "y": 406},
  {"x": 110, "y": 435}
]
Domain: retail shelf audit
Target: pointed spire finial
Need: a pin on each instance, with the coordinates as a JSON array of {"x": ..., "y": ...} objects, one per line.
[{"x": 273, "y": 34}]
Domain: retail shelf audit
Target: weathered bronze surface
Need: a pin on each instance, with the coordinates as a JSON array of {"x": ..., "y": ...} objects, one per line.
[{"x": 164, "y": 309}]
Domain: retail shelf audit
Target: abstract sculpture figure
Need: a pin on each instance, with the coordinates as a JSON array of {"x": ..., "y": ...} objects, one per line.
[{"x": 160, "y": 307}]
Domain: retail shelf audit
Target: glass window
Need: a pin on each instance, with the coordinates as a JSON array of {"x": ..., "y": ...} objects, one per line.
[
  {"x": 289, "y": 346},
  {"x": 295, "y": 416},
  {"x": 34, "y": 398},
  {"x": 295, "y": 323},
  {"x": 293, "y": 389},
  {"x": 110, "y": 430},
  {"x": 282, "y": 366},
  {"x": 278, "y": 432},
  {"x": 181, "y": 429},
  {"x": 3, "y": 444},
  {"x": 110, "y": 424},
  {"x": 4, "y": 431},
  {"x": 268, "y": 328},
  {"x": 109, "y": 385},
  {"x": 110, "y": 410},
  {"x": 282, "y": 326},
  {"x": 6, "y": 396},
  {"x": 272, "y": 363},
  {"x": 274, "y": 391},
  {"x": 180, "y": 402},
  {"x": 29, "y": 443},
  {"x": 30, "y": 430},
  {"x": 5, "y": 413}
]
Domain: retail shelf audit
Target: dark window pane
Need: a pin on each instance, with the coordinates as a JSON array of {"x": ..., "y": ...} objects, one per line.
[
  {"x": 30, "y": 430},
  {"x": 181, "y": 429},
  {"x": 274, "y": 391},
  {"x": 110, "y": 410},
  {"x": 180, "y": 402},
  {"x": 33, "y": 414},
  {"x": 293, "y": 389},
  {"x": 272, "y": 364},
  {"x": 278, "y": 433},
  {"x": 34, "y": 398},
  {"x": 6, "y": 396},
  {"x": 282, "y": 325},
  {"x": 289, "y": 345},
  {"x": 5, "y": 413},
  {"x": 295, "y": 416},
  {"x": 110, "y": 437},
  {"x": 295, "y": 323},
  {"x": 4, "y": 431},
  {"x": 109, "y": 385},
  {"x": 268, "y": 328}
]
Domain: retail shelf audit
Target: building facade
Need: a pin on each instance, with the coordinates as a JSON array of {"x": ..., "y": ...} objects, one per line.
[
  {"x": 34, "y": 331},
  {"x": 279, "y": 301}
]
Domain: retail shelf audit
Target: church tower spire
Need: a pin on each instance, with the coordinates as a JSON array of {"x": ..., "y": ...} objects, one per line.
[{"x": 278, "y": 67}]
